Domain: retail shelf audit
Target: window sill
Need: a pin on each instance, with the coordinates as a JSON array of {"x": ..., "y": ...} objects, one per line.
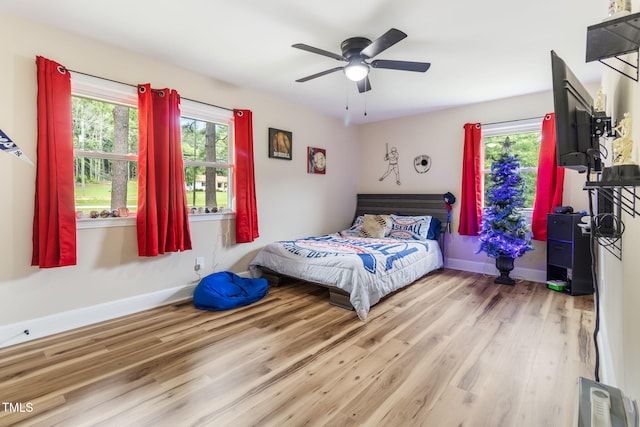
[{"x": 85, "y": 223}]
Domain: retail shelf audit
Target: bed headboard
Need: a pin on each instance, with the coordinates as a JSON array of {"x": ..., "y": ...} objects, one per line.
[{"x": 403, "y": 204}]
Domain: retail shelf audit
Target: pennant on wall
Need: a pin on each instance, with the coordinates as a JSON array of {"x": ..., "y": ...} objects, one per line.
[{"x": 8, "y": 146}]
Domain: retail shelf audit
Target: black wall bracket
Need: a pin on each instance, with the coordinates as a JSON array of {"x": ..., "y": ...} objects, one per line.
[
  {"x": 614, "y": 197},
  {"x": 608, "y": 41}
]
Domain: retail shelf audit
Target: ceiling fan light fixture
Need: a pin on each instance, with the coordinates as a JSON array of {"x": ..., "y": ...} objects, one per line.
[
  {"x": 357, "y": 51},
  {"x": 356, "y": 70}
]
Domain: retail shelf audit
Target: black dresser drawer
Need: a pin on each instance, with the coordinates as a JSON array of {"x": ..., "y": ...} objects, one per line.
[
  {"x": 560, "y": 253},
  {"x": 560, "y": 227},
  {"x": 568, "y": 254}
]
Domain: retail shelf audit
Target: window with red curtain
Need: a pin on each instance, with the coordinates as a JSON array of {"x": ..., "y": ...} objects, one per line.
[
  {"x": 471, "y": 194},
  {"x": 206, "y": 137},
  {"x": 550, "y": 183},
  {"x": 54, "y": 221},
  {"x": 162, "y": 219},
  {"x": 246, "y": 208}
]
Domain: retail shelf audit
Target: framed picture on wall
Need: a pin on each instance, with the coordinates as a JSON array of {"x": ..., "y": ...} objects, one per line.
[
  {"x": 280, "y": 144},
  {"x": 316, "y": 160}
]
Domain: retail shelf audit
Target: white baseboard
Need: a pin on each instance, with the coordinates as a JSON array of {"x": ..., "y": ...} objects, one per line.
[
  {"x": 489, "y": 268},
  {"x": 60, "y": 322},
  {"x": 48, "y": 325}
]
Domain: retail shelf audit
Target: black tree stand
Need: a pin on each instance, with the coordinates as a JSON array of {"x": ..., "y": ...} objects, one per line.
[{"x": 504, "y": 265}]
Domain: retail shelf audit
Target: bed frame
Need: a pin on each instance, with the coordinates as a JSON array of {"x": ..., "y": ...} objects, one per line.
[{"x": 380, "y": 204}]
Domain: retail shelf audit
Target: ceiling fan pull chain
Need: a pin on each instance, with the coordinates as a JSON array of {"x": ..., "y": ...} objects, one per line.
[
  {"x": 347, "y": 96},
  {"x": 365, "y": 104}
]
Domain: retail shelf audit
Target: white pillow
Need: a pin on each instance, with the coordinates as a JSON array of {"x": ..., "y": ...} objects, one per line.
[
  {"x": 355, "y": 229},
  {"x": 409, "y": 227}
]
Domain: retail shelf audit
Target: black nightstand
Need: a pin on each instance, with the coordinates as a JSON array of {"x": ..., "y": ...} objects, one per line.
[{"x": 568, "y": 254}]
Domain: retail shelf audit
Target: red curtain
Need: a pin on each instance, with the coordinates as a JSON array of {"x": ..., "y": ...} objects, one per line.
[
  {"x": 550, "y": 182},
  {"x": 54, "y": 220},
  {"x": 162, "y": 219},
  {"x": 471, "y": 198},
  {"x": 246, "y": 209}
]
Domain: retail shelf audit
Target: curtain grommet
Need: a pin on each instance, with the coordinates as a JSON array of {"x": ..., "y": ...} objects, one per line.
[
  {"x": 61, "y": 69},
  {"x": 142, "y": 89},
  {"x": 240, "y": 113}
]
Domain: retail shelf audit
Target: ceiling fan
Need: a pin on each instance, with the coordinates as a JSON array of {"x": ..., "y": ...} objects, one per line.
[{"x": 357, "y": 50}]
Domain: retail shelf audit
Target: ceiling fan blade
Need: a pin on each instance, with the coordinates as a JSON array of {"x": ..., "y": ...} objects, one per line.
[
  {"x": 320, "y": 74},
  {"x": 383, "y": 42},
  {"x": 364, "y": 85},
  {"x": 420, "y": 67},
  {"x": 319, "y": 51}
]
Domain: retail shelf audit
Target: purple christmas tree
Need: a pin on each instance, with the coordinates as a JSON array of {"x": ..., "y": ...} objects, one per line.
[{"x": 504, "y": 230}]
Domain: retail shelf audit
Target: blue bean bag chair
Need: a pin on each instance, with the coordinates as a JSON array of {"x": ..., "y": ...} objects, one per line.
[{"x": 226, "y": 290}]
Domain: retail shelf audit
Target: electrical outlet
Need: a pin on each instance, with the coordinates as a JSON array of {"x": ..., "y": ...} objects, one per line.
[{"x": 199, "y": 263}]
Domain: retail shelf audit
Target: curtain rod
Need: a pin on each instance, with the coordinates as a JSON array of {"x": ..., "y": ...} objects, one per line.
[
  {"x": 136, "y": 86},
  {"x": 511, "y": 121}
]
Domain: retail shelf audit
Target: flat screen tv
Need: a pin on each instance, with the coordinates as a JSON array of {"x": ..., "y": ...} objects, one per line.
[{"x": 577, "y": 143}]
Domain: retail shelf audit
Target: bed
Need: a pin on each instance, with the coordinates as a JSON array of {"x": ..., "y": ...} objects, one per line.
[{"x": 394, "y": 240}]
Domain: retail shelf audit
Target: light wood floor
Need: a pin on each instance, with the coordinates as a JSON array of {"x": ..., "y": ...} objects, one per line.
[{"x": 453, "y": 349}]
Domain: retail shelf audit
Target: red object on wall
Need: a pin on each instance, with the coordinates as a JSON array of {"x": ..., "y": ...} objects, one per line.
[
  {"x": 471, "y": 196},
  {"x": 550, "y": 183},
  {"x": 246, "y": 207},
  {"x": 162, "y": 220},
  {"x": 54, "y": 218}
]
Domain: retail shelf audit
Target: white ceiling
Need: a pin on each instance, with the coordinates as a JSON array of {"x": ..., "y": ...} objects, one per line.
[{"x": 478, "y": 50}]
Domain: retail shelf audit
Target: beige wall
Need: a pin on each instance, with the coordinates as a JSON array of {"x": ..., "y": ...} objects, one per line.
[
  {"x": 291, "y": 202},
  {"x": 441, "y": 136},
  {"x": 620, "y": 279}
]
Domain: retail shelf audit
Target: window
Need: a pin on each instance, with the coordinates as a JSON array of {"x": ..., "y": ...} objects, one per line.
[
  {"x": 525, "y": 136},
  {"x": 207, "y": 154},
  {"x": 105, "y": 138},
  {"x": 105, "y": 142}
]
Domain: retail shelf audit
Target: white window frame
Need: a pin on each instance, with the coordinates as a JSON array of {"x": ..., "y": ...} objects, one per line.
[
  {"x": 509, "y": 128},
  {"x": 86, "y": 86},
  {"x": 207, "y": 113}
]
